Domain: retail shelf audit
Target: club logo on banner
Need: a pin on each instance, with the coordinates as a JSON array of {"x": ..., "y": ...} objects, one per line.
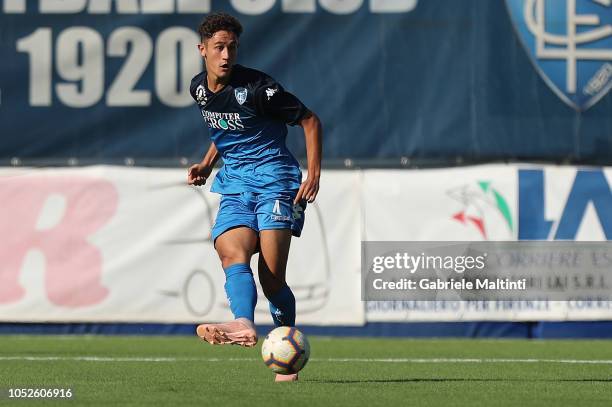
[{"x": 570, "y": 44}]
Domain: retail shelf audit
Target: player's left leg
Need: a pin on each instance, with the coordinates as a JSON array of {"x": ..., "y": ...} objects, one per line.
[{"x": 274, "y": 253}]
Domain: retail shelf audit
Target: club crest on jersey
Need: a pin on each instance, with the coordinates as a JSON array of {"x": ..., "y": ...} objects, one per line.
[
  {"x": 241, "y": 95},
  {"x": 570, "y": 44}
]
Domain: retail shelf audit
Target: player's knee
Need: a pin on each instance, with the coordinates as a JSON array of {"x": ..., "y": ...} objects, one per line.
[{"x": 229, "y": 256}]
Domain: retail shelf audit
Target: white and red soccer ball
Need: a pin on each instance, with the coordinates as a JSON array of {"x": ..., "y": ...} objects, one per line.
[{"x": 285, "y": 350}]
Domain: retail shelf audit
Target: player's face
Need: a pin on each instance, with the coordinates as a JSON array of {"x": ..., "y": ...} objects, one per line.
[{"x": 220, "y": 53}]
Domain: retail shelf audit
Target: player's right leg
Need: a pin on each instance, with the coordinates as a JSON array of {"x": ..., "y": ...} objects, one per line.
[
  {"x": 235, "y": 248},
  {"x": 235, "y": 244}
]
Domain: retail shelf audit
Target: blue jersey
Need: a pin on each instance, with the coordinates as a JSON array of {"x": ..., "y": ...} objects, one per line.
[{"x": 248, "y": 121}]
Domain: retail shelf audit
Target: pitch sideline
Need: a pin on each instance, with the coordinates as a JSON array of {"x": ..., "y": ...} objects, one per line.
[{"x": 333, "y": 360}]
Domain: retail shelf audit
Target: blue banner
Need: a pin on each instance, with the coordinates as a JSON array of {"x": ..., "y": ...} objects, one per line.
[{"x": 397, "y": 81}]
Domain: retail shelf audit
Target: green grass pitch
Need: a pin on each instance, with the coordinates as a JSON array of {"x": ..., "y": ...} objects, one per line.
[{"x": 151, "y": 371}]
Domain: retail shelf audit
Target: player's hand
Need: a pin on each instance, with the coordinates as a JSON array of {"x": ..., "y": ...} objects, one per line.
[
  {"x": 308, "y": 190},
  {"x": 197, "y": 174}
]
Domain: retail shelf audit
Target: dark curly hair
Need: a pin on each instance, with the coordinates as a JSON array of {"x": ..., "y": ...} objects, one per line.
[{"x": 219, "y": 22}]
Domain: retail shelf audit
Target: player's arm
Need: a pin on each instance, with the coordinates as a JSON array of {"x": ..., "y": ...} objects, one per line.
[
  {"x": 313, "y": 133},
  {"x": 198, "y": 173},
  {"x": 273, "y": 101}
]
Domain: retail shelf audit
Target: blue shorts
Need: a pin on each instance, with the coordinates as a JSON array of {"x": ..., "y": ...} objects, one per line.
[{"x": 259, "y": 212}]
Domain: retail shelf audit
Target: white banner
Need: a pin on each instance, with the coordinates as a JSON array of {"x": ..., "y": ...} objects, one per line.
[
  {"x": 133, "y": 244},
  {"x": 440, "y": 204},
  {"x": 492, "y": 202}
]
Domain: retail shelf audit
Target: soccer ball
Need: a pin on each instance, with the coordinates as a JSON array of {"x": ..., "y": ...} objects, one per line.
[{"x": 285, "y": 350}]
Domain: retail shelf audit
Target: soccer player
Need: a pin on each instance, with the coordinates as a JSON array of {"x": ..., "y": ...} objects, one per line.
[{"x": 263, "y": 197}]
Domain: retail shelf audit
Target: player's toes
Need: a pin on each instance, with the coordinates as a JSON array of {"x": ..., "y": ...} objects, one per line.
[
  {"x": 209, "y": 334},
  {"x": 201, "y": 331}
]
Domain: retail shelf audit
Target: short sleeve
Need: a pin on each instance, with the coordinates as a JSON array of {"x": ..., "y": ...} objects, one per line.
[
  {"x": 196, "y": 91},
  {"x": 273, "y": 101}
]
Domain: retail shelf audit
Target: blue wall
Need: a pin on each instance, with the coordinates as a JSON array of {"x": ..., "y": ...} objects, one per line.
[{"x": 448, "y": 79}]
